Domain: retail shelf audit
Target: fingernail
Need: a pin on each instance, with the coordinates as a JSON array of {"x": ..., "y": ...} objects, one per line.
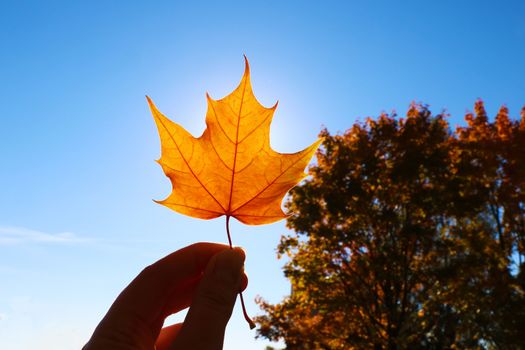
[{"x": 241, "y": 251}]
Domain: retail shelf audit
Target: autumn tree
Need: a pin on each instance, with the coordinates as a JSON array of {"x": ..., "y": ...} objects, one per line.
[{"x": 408, "y": 235}]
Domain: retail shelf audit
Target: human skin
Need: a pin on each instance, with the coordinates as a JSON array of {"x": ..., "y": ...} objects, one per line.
[{"x": 206, "y": 277}]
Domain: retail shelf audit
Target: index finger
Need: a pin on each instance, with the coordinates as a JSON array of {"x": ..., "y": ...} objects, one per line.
[{"x": 147, "y": 294}]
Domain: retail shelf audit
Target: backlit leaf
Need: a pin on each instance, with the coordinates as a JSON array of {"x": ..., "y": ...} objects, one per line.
[{"x": 231, "y": 168}]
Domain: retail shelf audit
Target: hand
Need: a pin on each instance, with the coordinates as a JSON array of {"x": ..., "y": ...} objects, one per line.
[{"x": 204, "y": 276}]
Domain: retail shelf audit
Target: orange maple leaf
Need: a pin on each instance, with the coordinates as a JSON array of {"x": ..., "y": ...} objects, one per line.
[{"x": 230, "y": 169}]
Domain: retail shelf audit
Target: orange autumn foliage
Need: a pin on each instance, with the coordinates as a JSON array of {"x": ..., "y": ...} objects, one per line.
[
  {"x": 408, "y": 235},
  {"x": 230, "y": 169}
]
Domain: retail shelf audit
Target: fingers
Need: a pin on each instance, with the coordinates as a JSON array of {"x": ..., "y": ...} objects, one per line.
[
  {"x": 167, "y": 336},
  {"x": 148, "y": 292},
  {"x": 167, "y": 277},
  {"x": 138, "y": 313},
  {"x": 181, "y": 298},
  {"x": 213, "y": 303}
]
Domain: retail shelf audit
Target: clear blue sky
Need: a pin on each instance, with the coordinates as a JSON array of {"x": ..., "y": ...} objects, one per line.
[{"x": 77, "y": 142}]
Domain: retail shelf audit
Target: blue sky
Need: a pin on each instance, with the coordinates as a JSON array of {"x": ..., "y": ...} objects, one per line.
[{"x": 78, "y": 144}]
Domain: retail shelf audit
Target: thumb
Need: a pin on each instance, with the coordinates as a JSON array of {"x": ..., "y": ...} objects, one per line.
[{"x": 211, "y": 308}]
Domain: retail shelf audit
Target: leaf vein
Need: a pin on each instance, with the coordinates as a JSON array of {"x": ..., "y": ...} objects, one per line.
[
  {"x": 188, "y": 165},
  {"x": 270, "y": 184}
]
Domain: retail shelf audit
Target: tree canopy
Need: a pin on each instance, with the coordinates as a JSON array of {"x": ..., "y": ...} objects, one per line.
[{"x": 408, "y": 235}]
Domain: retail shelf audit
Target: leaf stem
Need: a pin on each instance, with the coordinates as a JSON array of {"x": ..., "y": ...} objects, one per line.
[
  {"x": 244, "y": 312},
  {"x": 228, "y": 231}
]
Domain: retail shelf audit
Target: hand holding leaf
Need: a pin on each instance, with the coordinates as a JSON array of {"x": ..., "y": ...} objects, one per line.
[{"x": 230, "y": 169}]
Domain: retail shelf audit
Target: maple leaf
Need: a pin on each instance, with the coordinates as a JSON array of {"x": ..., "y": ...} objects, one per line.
[{"x": 230, "y": 169}]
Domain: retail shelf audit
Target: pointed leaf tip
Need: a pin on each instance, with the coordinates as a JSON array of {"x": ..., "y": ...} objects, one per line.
[
  {"x": 150, "y": 101},
  {"x": 246, "y": 66}
]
